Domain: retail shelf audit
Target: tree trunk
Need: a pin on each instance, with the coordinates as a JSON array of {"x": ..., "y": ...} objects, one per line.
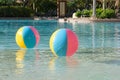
[
  {"x": 103, "y": 4},
  {"x": 94, "y": 9},
  {"x": 117, "y": 3}
]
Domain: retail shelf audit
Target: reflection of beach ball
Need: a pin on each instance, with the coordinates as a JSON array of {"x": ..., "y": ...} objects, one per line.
[
  {"x": 27, "y": 37},
  {"x": 59, "y": 63},
  {"x": 63, "y": 42}
]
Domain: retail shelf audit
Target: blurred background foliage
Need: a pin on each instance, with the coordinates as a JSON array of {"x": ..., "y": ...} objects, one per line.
[{"x": 49, "y": 7}]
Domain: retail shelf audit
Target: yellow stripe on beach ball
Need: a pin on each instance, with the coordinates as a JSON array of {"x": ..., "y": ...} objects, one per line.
[
  {"x": 51, "y": 42},
  {"x": 19, "y": 38}
]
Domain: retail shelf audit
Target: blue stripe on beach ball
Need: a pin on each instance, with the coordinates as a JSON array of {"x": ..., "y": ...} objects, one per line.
[
  {"x": 29, "y": 37},
  {"x": 60, "y": 43}
]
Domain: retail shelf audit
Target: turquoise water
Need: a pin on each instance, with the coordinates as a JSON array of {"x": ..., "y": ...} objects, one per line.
[{"x": 98, "y": 56}]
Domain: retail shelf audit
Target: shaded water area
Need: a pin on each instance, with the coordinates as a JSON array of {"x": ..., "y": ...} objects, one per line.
[{"x": 97, "y": 58}]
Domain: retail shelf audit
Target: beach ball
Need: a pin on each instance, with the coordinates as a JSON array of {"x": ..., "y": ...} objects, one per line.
[
  {"x": 63, "y": 42},
  {"x": 27, "y": 37}
]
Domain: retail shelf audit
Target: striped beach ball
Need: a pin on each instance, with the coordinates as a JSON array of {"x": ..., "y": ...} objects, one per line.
[
  {"x": 63, "y": 42},
  {"x": 27, "y": 37}
]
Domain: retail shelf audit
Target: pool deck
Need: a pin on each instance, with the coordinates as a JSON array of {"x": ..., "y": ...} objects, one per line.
[
  {"x": 69, "y": 20},
  {"x": 87, "y": 20}
]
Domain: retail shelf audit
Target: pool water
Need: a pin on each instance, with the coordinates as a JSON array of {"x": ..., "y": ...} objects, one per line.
[{"x": 97, "y": 58}]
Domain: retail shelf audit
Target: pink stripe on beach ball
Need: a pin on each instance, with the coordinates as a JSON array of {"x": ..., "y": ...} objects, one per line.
[
  {"x": 72, "y": 43},
  {"x": 36, "y": 34}
]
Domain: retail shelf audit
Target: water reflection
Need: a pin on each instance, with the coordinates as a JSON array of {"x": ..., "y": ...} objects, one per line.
[
  {"x": 98, "y": 35},
  {"x": 24, "y": 58},
  {"x": 62, "y": 63},
  {"x": 20, "y": 58}
]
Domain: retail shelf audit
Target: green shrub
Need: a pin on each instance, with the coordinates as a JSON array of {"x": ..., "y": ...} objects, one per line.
[
  {"x": 91, "y": 12},
  {"x": 110, "y": 13},
  {"x": 103, "y": 15},
  {"x": 78, "y": 13},
  {"x": 107, "y": 13},
  {"x": 86, "y": 12},
  {"x": 15, "y": 11},
  {"x": 98, "y": 12}
]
